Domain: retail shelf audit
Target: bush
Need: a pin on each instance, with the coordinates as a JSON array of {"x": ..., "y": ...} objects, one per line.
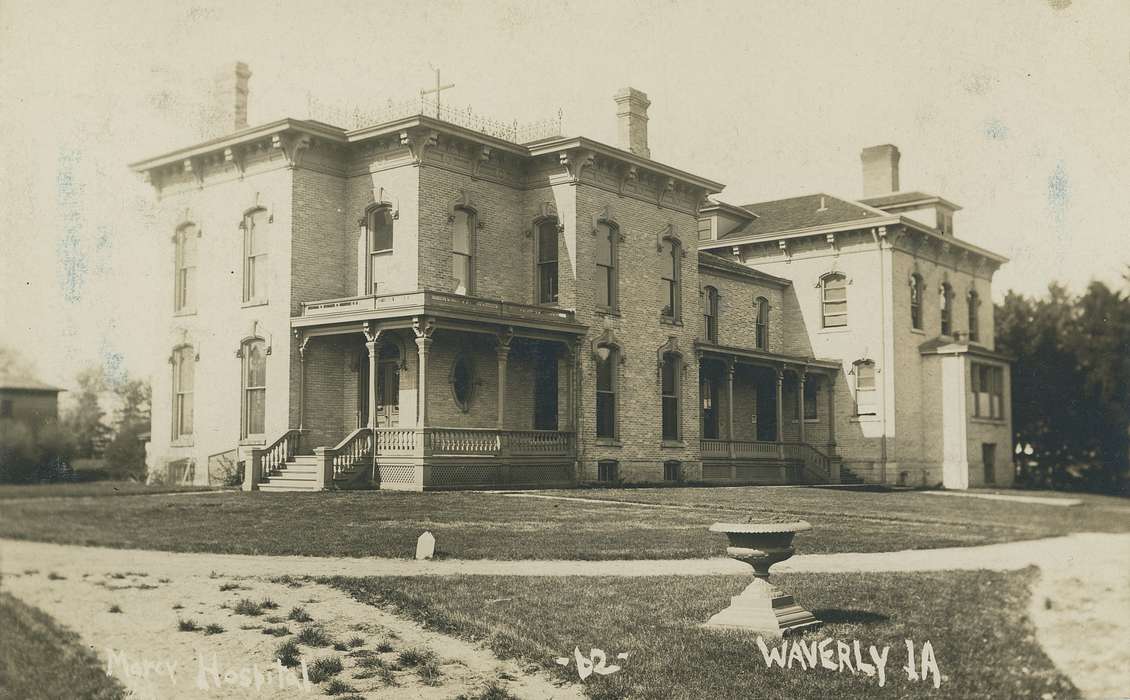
[
  {"x": 324, "y": 668},
  {"x": 31, "y": 456},
  {"x": 287, "y": 653}
]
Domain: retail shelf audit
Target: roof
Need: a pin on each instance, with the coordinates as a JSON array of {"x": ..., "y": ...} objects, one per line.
[
  {"x": 806, "y": 211},
  {"x": 720, "y": 263},
  {"x": 942, "y": 345},
  {"x": 900, "y": 199},
  {"x": 26, "y": 383}
]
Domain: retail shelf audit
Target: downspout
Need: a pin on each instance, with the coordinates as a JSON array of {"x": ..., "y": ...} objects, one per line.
[{"x": 881, "y": 236}]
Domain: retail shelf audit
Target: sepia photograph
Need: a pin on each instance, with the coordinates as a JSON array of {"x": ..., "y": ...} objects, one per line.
[{"x": 502, "y": 349}]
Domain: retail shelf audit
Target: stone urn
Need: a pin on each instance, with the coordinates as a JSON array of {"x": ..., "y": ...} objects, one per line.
[{"x": 762, "y": 608}]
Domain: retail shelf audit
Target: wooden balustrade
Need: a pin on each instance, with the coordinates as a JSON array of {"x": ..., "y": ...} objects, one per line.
[
  {"x": 395, "y": 441},
  {"x": 816, "y": 465},
  {"x": 274, "y": 456},
  {"x": 538, "y": 442},
  {"x": 347, "y": 454}
]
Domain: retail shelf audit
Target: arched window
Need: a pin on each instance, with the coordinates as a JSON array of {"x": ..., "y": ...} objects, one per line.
[
  {"x": 670, "y": 274},
  {"x": 462, "y": 383},
  {"x": 379, "y": 241},
  {"x": 669, "y": 391},
  {"x": 254, "y": 354},
  {"x": 761, "y": 334},
  {"x": 607, "y": 257},
  {"x": 184, "y": 380},
  {"x": 864, "y": 388},
  {"x": 974, "y": 305},
  {"x": 255, "y": 246},
  {"x": 710, "y": 313},
  {"x": 184, "y": 295},
  {"x": 916, "y": 301},
  {"x": 462, "y": 247},
  {"x": 835, "y": 300},
  {"x": 945, "y": 304},
  {"x": 547, "y": 261},
  {"x": 606, "y": 359}
]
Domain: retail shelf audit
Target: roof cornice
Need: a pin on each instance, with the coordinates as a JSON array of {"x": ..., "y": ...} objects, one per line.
[
  {"x": 550, "y": 146},
  {"x": 256, "y": 133}
]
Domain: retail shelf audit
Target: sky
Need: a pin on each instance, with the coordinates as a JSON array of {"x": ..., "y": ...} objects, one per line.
[{"x": 1019, "y": 111}]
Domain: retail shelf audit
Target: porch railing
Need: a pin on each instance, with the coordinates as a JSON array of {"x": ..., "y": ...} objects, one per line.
[
  {"x": 471, "y": 442},
  {"x": 816, "y": 465},
  {"x": 436, "y": 300}
]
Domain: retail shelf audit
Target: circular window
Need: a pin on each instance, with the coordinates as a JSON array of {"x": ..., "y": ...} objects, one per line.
[{"x": 462, "y": 382}]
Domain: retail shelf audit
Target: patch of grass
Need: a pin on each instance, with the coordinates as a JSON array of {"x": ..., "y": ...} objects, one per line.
[
  {"x": 288, "y": 580},
  {"x": 383, "y": 646},
  {"x": 186, "y": 625},
  {"x": 41, "y": 659},
  {"x": 277, "y": 631},
  {"x": 178, "y": 606},
  {"x": 268, "y": 604},
  {"x": 410, "y": 658},
  {"x": 984, "y": 650},
  {"x": 213, "y": 628},
  {"x": 313, "y": 636},
  {"x": 164, "y": 580},
  {"x": 145, "y": 586},
  {"x": 299, "y": 614},
  {"x": 429, "y": 672},
  {"x": 288, "y": 653},
  {"x": 339, "y": 687},
  {"x": 53, "y": 576},
  {"x": 355, "y": 642},
  {"x": 117, "y": 575},
  {"x": 250, "y": 627},
  {"x": 274, "y": 619},
  {"x": 376, "y": 667},
  {"x": 231, "y": 586},
  {"x": 115, "y": 608},
  {"x": 31, "y": 572},
  {"x": 324, "y": 668},
  {"x": 249, "y": 607},
  {"x": 93, "y": 488},
  {"x": 340, "y": 646},
  {"x": 491, "y": 691}
]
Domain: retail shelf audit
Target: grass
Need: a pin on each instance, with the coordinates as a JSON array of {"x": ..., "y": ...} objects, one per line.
[
  {"x": 91, "y": 488},
  {"x": 375, "y": 667},
  {"x": 470, "y": 525},
  {"x": 324, "y": 668},
  {"x": 278, "y": 631},
  {"x": 974, "y": 620},
  {"x": 56, "y": 577},
  {"x": 225, "y": 587},
  {"x": 288, "y": 653},
  {"x": 299, "y": 614},
  {"x": 491, "y": 691},
  {"x": 339, "y": 687},
  {"x": 213, "y": 628},
  {"x": 383, "y": 646},
  {"x": 115, "y": 608},
  {"x": 249, "y": 607},
  {"x": 42, "y": 660},
  {"x": 355, "y": 642},
  {"x": 313, "y": 636},
  {"x": 188, "y": 625}
]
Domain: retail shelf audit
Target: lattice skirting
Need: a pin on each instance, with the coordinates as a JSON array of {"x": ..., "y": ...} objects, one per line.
[
  {"x": 494, "y": 475},
  {"x": 398, "y": 474},
  {"x": 749, "y": 473}
]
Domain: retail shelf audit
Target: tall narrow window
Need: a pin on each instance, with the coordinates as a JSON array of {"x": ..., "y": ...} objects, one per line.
[
  {"x": 710, "y": 313},
  {"x": 462, "y": 245},
  {"x": 184, "y": 379},
  {"x": 988, "y": 391},
  {"x": 606, "y": 392},
  {"x": 811, "y": 397},
  {"x": 670, "y": 396},
  {"x": 255, "y": 245},
  {"x": 761, "y": 333},
  {"x": 835, "y": 300},
  {"x": 378, "y": 224},
  {"x": 606, "y": 237},
  {"x": 945, "y": 304},
  {"x": 547, "y": 262},
  {"x": 916, "y": 301},
  {"x": 254, "y": 387},
  {"x": 865, "y": 388},
  {"x": 669, "y": 273},
  {"x": 184, "y": 296},
  {"x": 974, "y": 305}
]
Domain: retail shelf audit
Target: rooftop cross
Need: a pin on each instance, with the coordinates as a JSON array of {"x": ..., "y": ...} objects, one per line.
[{"x": 437, "y": 90}]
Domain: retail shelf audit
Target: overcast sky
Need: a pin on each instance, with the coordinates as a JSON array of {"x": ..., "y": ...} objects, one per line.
[{"x": 1018, "y": 111}]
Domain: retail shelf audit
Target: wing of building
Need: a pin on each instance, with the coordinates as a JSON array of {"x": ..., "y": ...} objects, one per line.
[{"x": 421, "y": 302}]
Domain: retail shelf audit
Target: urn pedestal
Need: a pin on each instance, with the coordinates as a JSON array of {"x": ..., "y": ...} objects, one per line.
[{"x": 762, "y": 608}]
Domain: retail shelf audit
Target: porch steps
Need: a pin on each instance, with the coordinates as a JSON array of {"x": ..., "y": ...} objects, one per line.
[
  {"x": 847, "y": 476},
  {"x": 299, "y": 474}
]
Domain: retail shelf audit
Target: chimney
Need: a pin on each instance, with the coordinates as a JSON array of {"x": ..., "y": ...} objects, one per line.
[
  {"x": 631, "y": 111},
  {"x": 880, "y": 170},
  {"x": 227, "y": 111}
]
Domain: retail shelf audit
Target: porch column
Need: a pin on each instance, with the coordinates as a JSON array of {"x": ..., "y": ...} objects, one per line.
[
  {"x": 503, "y": 351},
  {"x": 302, "y": 341},
  {"x": 731, "y": 366},
  {"x": 569, "y": 356},
  {"x": 780, "y": 412},
  {"x": 423, "y": 328},
  {"x": 802, "y": 376},
  {"x": 832, "y": 408},
  {"x": 371, "y": 346}
]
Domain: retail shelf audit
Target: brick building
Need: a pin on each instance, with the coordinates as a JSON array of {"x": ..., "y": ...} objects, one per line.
[{"x": 443, "y": 301}]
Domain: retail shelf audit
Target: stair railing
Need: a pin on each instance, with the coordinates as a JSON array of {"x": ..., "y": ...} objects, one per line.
[
  {"x": 269, "y": 459},
  {"x": 343, "y": 459}
]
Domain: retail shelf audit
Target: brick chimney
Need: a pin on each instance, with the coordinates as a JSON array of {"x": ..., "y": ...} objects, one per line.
[
  {"x": 226, "y": 111},
  {"x": 631, "y": 111},
  {"x": 880, "y": 170}
]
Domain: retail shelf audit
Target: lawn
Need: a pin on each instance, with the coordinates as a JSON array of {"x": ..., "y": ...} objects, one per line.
[
  {"x": 472, "y": 525},
  {"x": 974, "y": 621},
  {"x": 40, "y": 659},
  {"x": 90, "y": 488}
]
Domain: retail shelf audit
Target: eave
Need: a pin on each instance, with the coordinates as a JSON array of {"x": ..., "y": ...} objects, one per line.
[{"x": 551, "y": 146}]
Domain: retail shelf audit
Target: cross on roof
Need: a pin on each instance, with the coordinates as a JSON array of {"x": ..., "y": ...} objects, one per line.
[{"x": 437, "y": 90}]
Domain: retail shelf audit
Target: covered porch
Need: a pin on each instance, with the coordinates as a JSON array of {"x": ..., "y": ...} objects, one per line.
[{"x": 766, "y": 418}]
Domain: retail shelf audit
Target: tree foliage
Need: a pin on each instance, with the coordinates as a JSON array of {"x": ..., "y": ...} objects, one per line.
[
  {"x": 125, "y": 455},
  {"x": 1070, "y": 385},
  {"x": 84, "y": 420}
]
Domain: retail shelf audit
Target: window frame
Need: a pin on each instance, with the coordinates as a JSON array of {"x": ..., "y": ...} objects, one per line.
[
  {"x": 916, "y": 288},
  {"x": 182, "y": 397},
  {"x": 463, "y": 404},
  {"x": 255, "y": 264},
  {"x": 710, "y": 308},
  {"x": 945, "y": 309},
  {"x": 672, "y": 470},
  {"x": 183, "y": 288},
  {"x": 671, "y": 362},
  {"x": 472, "y": 218},
  {"x": 761, "y": 323},
  {"x": 993, "y": 396},
  {"x": 811, "y": 386},
  {"x": 612, "y": 280},
  {"x": 608, "y": 471},
  {"x": 246, "y": 388},
  {"x": 372, "y": 252},
  {"x": 610, "y": 394},
  {"x": 973, "y": 311},
  {"x": 540, "y": 296},
  {"x": 872, "y": 390},
  {"x": 825, "y": 301},
  {"x": 674, "y": 284}
]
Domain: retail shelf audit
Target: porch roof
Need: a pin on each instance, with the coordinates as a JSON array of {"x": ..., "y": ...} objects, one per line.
[{"x": 763, "y": 357}]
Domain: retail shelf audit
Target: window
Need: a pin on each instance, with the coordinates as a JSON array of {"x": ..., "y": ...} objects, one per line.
[
  {"x": 710, "y": 313},
  {"x": 669, "y": 272},
  {"x": 916, "y": 301},
  {"x": 761, "y": 333},
  {"x": 811, "y": 398},
  {"x": 462, "y": 245},
  {"x": 254, "y": 387},
  {"x": 672, "y": 470},
  {"x": 988, "y": 391},
  {"x": 462, "y": 382},
  {"x": 547, "y": 261},
  {"x": 669, "y": 390},
  {"x": 865, "y": 388},
  {"x": 6, "y": 408},
  {"x": 974, "y": 304},
  {"x": 708, "y": 390},
  {"x": 545, "y": 389},
  {"x": 184, "y": 377},
  {"x": 606, "y": 392},
  {"x": 835, "y": 300},
  {"x": 184, "y": 295},
  {"x": 705, "y": 229},
  {"x": 255, "y": 271},
  {"x": 945, "y": 304},
  {"x": 378, "y": 226},
  {"x": 606, "y": 254},
  {"x": 608, "y": 470}
]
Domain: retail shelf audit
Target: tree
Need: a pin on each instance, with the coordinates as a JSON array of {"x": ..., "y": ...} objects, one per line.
[
  {"x": 125, "y": 455},
  {"x": 13, "y": 364},
  {"x": 84, "y": 420}
]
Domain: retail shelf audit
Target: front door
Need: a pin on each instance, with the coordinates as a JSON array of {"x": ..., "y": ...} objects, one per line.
[{"x": 388, "y": 394}]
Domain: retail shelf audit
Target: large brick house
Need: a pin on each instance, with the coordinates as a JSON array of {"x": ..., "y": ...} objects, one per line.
[{"x": 420, "y": 302}]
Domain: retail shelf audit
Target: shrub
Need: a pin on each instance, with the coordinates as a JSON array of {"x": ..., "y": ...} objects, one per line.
[
  {"x": 268, "y": 604},
  {"x": 287, "y": 653},
  {"x": 279, "y": 631},
  {"x": 225, "y": 587},
  {"x": 115, "y": 608},
  {"x": 323, "y": 668},
  {"x": 299, "y": 615},
  {"x": 213, "y": 629},
  {"x": 186, "y": 625},
  {"x": 492, "y": 691},
  {"x": 355, "y": 642},
  {"x": 340, "y": 646},
  {"x": 384, "y": 647},
  {"x": 429, "y": 672},
  {"x": 56, "y": 577},
  {"x": 415, "y": 657},
  {"x": 246, "y": 606},
  {"x": 314, "y": 636},
  {"x": 339, "y": 687},
  {"x": 30, "y": 456}
]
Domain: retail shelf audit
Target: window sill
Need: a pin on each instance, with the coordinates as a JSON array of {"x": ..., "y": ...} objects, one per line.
[
  {"x": 182, "y": 442},
  {"x": 608, "y": 442},
  {"x": 254, "y": 302},
  {"x": 831, "y": 331},
  {"x": 917, "y": 331},
  {"x": 252, "y": 442},
  {"x": 864, "y": 419},
  {"x": 673, "y": 444},
  {"x": 605, "y": 311},
  {"x": 185, "y": 312},
  {"x": 811, "y": 420},
  {"x": 668, "y": 321},
  {"x": 988, "y": 421}
]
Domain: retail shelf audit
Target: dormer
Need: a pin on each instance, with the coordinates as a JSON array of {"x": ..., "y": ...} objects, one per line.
[{"x": 719, "y": 219}]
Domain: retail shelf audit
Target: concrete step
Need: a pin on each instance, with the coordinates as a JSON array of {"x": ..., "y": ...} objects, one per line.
[{"x": 284, "y": 487}]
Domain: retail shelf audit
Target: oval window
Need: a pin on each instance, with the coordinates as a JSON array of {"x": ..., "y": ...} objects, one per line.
[{"x": 461, "y": 383}]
